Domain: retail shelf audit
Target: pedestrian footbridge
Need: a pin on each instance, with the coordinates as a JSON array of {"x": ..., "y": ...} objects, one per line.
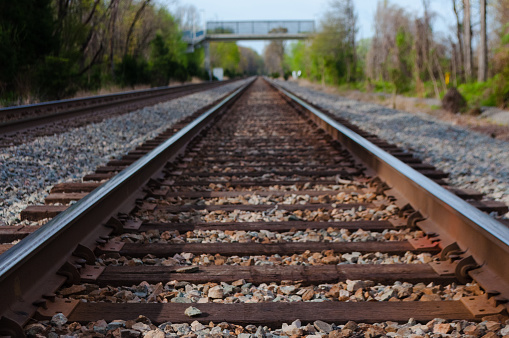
[{"x": 251, "y": 30}]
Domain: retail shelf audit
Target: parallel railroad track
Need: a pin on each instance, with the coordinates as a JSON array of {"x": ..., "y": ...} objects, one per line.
[
  {"x": 260, "y": 211},
  {"x": 45, "y": 118}
]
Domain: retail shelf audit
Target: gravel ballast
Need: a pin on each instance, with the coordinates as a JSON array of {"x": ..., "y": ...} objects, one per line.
[
  {"x": 474, "y": 160},
  {"x": 28, "y": 171}
]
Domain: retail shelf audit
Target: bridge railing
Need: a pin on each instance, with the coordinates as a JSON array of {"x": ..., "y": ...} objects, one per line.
[{"x": 260, "y": 27}]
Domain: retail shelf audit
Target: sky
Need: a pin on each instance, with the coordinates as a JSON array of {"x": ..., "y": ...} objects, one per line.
[{"x": 233, "y": 10}]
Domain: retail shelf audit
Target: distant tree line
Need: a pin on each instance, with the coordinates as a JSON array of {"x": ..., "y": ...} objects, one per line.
[
  {"x": 407, "y": 55},
  {"x": 50, "y": 49}
]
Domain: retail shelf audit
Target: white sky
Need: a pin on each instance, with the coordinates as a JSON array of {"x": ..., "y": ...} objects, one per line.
[{"x": 217, "y": 10}]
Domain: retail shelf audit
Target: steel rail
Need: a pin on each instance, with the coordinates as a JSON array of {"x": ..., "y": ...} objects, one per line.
[
  {"x": 28, "y": 270},
  {"x": 47, "y": 112},
  {"x": 456, "y": 221}
]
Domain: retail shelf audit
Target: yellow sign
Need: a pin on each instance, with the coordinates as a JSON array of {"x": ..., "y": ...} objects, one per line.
[{"x": 447, "y": 78}]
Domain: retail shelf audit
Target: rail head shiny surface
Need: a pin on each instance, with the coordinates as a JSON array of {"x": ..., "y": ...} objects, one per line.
[
  {"x": 496, "y": 229},
  {"x": 38, "y": 239}
]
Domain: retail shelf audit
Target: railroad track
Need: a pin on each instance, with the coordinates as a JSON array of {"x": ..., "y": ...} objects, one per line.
[
  {"x": 21, "y": 123},
  {"x": 261, "y": 211}
]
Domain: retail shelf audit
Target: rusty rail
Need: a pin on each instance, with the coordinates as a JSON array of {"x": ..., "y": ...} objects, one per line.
[
  {"x": 26, "y": 273},
  {"x": 480, "y": 242}
]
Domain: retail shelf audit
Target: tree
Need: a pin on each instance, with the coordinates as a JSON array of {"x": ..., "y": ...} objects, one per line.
[
  {"x": 459, "y": 36},
  {"x": 225, "y": 55},
  {"x": 467, "y": 28},
  {"x": 26, "y": 37},
  {"x": 483, "y": 46},
  {"x": 274, "y": 54},
  {"x": 385, "y": 55},
  {"x": 250, "y": 62}
]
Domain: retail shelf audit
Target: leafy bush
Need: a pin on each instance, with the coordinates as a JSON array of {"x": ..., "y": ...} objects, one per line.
[
  {"x": 55, "y": 78},
  {"x": 482, "y": 93}
]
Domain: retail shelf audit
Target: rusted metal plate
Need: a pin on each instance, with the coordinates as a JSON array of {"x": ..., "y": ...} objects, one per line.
[
  {"x": 444, "y": 268},
  {"x": 110, "y": 247},
  {"x": 423, "y": 243},
  {"x": 90, "y": 273},
  {"x": 132, "y": 225},
  {"x": 59, "y": 305},
  {"x": 481, "y": 306}
]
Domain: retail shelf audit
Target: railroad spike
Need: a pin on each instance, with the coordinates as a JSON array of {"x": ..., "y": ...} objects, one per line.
[
  {"x": 463, "y": 267},
  {"x": 84, "y": 253},
  {"x": 70, "y": 272},
  {"x": 414, "y": 218},
  {"x": 406, "y": 209},
  {"x": 451, "y": 249},
  {"x": 116, "y": 224}
]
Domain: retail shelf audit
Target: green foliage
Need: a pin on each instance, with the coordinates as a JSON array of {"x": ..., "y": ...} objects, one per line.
[
  {"x": 55, "y": 77},
  {"x": 494, "y": 92},
  {"x": 400, "y": 71},
  {"x": 226, "y": 55},
  {"x": 330, "y": 57},
  {"x": 57, "y": 47},
  {"x": 382, "y": 86},
  {"x": 132, "y": 71},
  {"x": 298, "y": 58},
  {"x": 26, "y": 37}
]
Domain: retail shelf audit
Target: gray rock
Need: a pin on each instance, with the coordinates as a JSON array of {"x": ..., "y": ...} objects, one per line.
[
  {"x": 58, "y": 320},
  {"x": 181, "y": 300},
  {"x": 128, "y": 333},
  {"x": 192, "y": 312},
  {"x": 322, "y": 326},
  {"x": 181, "y": 329},
  {"x": 34, "y": 329},
  {"x": 197, "y": 326},
  {"x": 216, "y": 292},
  {"x": 504, "y": 331},
  {"x": 115, "y": 324},
  {"x": 28, "y": 170},
  {"x": 142, "y": 327}
]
